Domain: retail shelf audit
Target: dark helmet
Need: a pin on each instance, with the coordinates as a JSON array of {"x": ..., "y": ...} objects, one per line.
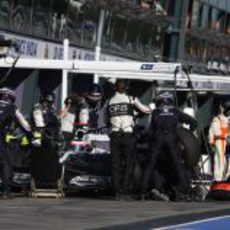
[
  {"x": 164, "y": 98},
  {"x": 95, "y": 92},
  {"x": 7, "y": 95},
  {"x": 48, "y": 98}
]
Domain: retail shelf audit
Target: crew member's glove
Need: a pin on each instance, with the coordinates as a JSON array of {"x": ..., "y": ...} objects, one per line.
[
  {"x": 36, "y": 141},
  {"x": 9, "y": 138},
  {"x": 24, "y": 141},
  {"x": 193, "y": 126}
]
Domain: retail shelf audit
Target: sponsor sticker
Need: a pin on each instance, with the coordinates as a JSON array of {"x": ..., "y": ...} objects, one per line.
[{"x": 147, "y": 66}]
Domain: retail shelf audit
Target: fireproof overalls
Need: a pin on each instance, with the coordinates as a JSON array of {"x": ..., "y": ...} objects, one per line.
[
  {"x": 165, "y": 121},
  {"x": 9, "y": 116},
  {"x": 218, "y": 132},
  {"x": 122, "y": 139}
]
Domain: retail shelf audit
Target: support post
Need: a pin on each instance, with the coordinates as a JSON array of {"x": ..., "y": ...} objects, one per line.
[{"x": 64, "y": 73}]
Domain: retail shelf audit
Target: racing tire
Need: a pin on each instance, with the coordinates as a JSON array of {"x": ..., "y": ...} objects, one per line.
[
  {"x": 191, "y": 149},
  {"x": 219, "y": 191}
]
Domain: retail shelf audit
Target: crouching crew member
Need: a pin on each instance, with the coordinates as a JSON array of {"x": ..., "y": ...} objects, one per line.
[
  {"x": 165, "y": 120},
  {"x": 122, "y": 140},
  {"x": 46, "y": 125},
  {"x": 10, "y": 119}
]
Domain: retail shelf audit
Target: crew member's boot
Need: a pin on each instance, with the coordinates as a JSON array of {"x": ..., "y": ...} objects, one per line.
[{"x": 157, "y": 195}]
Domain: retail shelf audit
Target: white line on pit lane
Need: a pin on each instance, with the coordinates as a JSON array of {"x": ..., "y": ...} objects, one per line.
[{"x": 190, "y": 223}]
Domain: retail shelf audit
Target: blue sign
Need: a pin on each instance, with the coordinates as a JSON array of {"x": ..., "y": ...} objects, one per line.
[{"x": 147, "y": 67}]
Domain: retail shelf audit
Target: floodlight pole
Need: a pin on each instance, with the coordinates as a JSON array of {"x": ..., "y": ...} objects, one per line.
[
  {"x": 64, "y": 73},
  {"x": 98, "y": 41}
]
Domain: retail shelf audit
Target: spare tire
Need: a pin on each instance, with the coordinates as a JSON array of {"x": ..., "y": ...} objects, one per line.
[
  {"x": 191, "y": 149},
  {"x": 219, "y": 191}
]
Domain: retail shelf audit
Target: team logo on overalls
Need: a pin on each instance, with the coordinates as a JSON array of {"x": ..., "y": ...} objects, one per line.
[{"x": 120, "y": 109}]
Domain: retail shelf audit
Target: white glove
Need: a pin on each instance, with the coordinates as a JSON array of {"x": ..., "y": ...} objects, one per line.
[
  {"x": 36, "y": 143},
  {"x": 152, "y": 106}
]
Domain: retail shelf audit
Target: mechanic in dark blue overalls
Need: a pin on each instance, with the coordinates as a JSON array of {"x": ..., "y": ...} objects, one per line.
[
  {"x": 10, "y": 119},
  {"x": 164, "y": 122}
]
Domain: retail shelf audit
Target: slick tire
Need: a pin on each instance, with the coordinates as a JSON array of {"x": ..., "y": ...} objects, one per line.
[
  {"x": 218, "y": 195},
  {"x": 191, "y": 149},
  {"x": 219, "y": 191}
]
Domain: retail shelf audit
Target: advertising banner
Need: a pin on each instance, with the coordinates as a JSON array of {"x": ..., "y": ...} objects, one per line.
[{"x": 38, "y": 48}]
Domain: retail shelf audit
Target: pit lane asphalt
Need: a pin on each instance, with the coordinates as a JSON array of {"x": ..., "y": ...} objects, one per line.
[{"x": 78, "y": 213}]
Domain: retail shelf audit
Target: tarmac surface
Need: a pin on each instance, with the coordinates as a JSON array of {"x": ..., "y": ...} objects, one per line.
[{"x": 78, "y": 213}]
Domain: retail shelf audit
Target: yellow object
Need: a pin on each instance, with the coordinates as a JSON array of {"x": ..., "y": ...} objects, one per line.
[
  {"x": 24, "y": 141},
  {"x": 37, "y": 135},
  {"x": 9, "y": 137}
]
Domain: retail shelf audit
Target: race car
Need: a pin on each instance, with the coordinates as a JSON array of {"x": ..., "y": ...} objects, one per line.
[{"x": 86, "y": 163}]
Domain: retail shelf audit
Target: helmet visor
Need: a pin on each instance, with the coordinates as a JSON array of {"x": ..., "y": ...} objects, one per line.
[{"x": 94, "y": 96}]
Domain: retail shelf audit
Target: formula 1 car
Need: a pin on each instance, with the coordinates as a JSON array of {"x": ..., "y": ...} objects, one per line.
[{"x": 86, "y": 162}]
